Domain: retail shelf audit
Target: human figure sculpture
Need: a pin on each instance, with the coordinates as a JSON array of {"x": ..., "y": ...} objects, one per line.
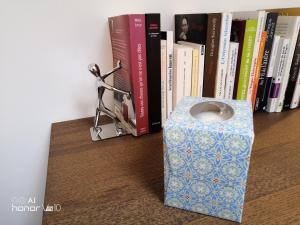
[{"x": 102, "y": 86}]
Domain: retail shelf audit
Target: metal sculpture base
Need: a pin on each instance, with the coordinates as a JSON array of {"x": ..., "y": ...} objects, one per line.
[
  {"x": 107, "y": 131},
  {"x": 115, "y": 129}
]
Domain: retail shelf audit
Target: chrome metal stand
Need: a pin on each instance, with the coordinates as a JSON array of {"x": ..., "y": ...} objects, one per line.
[{"x": 114, "y": 129}]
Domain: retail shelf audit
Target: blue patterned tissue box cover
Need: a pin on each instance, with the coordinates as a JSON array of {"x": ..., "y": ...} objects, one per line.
[{"x": 206, "y": 164}]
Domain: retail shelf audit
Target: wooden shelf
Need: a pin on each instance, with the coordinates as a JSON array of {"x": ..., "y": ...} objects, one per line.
[{"x": 120, "y": 181}]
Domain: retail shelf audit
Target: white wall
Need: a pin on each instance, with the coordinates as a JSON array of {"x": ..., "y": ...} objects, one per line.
[{"x": 45, "y": 47}]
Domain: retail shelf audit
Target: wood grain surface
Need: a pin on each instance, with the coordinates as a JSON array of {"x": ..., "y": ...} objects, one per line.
[{"x": 120, "y": 181}]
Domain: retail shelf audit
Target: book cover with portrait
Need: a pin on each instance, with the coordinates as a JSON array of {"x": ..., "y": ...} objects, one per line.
[{"x": 191, "y": 28}]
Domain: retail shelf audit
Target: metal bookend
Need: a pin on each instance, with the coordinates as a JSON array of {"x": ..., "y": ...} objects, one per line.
[{"x": 110, "y": 130}]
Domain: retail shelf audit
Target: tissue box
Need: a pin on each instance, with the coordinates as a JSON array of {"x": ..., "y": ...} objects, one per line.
[{"x": 206, "y": 160}]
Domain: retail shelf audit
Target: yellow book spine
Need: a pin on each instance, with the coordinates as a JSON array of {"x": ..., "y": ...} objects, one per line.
[{"x": 195, "y": 71}]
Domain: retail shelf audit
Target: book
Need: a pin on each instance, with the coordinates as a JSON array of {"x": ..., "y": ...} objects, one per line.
[
  {"x": 163, "y": 52},
  {"x": 153, "y": 71},
  {"x": 231, "y": 69},
  {"x": 182, "y": 72},
  {"x": 211, "y": 53},
  {"x": 128, "y": 40},
  {"x": 199, "y": 67},
  {"x": 294, "y": 71},
  {"x": 260, "y": 16},
  {"x": 296, "y": 94},
  {"x": 287, "y": 27},
  {"x": 195, "y": 69},
  {"x": 258, "y": 67},
  {"x": 265, "y": 81},
  {"x": 280, "y": 64},
  {"x": 223, "y": 55},
  {"x": 191, "y": 28},
  {"x": 168, "y": 36},
  {"x": 237, "y": 35},
  {"x": 273, "y": 56},
  {"x": 249, "y": 39}
]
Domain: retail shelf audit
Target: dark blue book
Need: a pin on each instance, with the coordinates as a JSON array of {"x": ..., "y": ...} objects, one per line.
[{"x": 294, "y": 73}]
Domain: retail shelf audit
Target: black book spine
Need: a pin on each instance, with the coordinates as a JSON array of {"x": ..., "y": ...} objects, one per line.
[
  {"x": 153, "y": 71},
  {"x": 264, "y": 82},
  {"x": 293, "y": 76}
]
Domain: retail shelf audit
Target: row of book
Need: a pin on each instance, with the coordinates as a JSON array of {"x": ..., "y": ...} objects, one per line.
[{"x": 252, "y": 56}]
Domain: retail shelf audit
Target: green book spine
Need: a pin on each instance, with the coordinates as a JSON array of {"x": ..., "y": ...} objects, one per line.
[{"x": 248, "y": 46}]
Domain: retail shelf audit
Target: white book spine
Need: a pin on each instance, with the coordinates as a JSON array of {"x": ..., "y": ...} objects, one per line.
[
  {"x": 223, "y": 55},
  {"x": 296, "y": 95},
  {"x": 178, "y": 84},
  {"x": 163, "y": 52},
  {"x": 187, "y": 71},
  {"x": 201, "y": 70},
  {"x": 278, "y": 74},
  {"x": 292, "y": 33},
  {"x": 169, "y": 72},
  {"x": 260, "y": 27},
  {"x": 231, "y": 69},
  {"x": 273, "y": 56}
]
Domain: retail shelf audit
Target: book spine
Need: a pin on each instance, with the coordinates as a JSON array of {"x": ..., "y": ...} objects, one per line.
[
  {"x": 264, "y": 81},
  {"x": 211, "y": 54},
  {"x": 258, "y": 67},
  {"x": 296, "y": 95},
  {"x": 286, "y": 74},
  {"x": 187, "y": 71},
  {"x": 178, "y": 85},
  {"x": 278, "y": 74},
  {"x": 195, "y": 69},
  {"x": 294, "y": 71},
  {"x": 163, "y": 57},
  {"x": 231, "y": 69},
  {"x": 272, "y": 65},
  {"x": 139, "y": 71},
  {"x": 249, "y": 39},
  {"x": 201, "y": 70},
  {"x": 169, "y": 72},
  {"x": 256, "y": 49},
  {"x": 153, "y": 71},
  {"x": 239, "y": 28},
  {"x": 223, "y": 55}
]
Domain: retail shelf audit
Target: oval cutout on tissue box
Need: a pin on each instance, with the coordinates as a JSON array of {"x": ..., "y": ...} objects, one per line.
[{"x": 211, "y": 111}]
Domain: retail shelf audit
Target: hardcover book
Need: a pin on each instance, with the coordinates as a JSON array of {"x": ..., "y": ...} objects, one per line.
[
  {"x": 231, "y": 69},
  {"x": 294, "y": 71},
  {"x": 168, "y": 36},
  {"x": 182, "y": 72},
  {"x": 280, "y": 64},
  {"x": 237, "y": 35},
  {"x": 211, "y": 54},
  {"x": 258, "y": 67},
  {"x": 153, "y": 71},
  {"x": 202, "y": 29},
  {"x": 163, "y": 81},
  {"x": 264, "y": 80},
  {"x": 197, "y": 80},
  {"x": 287, "y": 27},
  {"x": 128, "y": 39},
  {"x": 223, "y": 55},
  {"x": 249, "y": 40},
  {"x": 260, "y": 17},
  {"x": 296, "y": 95}
]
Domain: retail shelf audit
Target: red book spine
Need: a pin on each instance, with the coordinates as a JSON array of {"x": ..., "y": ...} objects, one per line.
[{"x": 139, "y": 71}]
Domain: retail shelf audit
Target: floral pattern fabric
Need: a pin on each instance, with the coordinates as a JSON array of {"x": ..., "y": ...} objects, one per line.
[{"x": 206, "y": 164}]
